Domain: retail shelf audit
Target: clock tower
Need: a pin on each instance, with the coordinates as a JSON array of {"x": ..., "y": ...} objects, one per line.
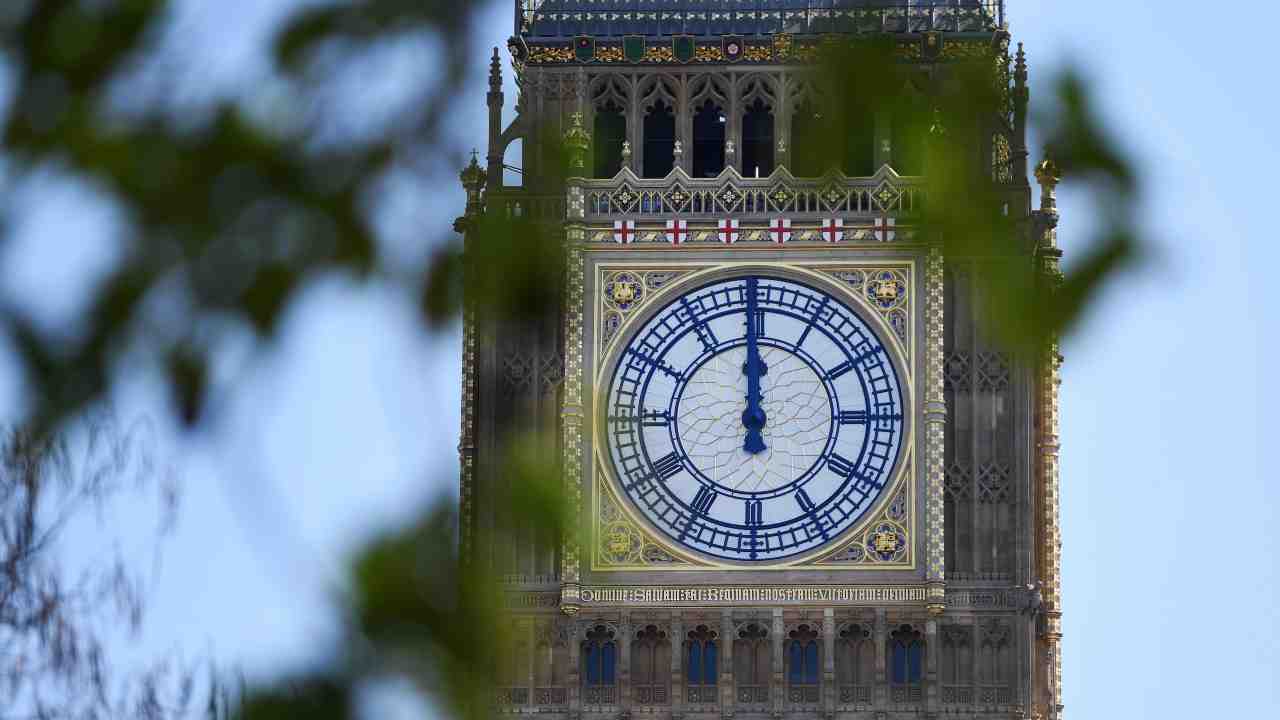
[{"x": 808, "y": 482}]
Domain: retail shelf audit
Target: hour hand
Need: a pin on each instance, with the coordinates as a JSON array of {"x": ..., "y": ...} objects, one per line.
[{"x": 753, "y": 418}]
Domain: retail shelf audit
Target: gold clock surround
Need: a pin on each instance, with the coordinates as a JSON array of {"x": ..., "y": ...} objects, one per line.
[{"x": 620, "y": 539}]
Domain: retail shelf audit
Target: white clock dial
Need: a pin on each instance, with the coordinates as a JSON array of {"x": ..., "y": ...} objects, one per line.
[{"x": 754, "y": 418}]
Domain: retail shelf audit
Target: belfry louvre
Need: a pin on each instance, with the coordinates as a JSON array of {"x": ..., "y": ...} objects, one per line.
[{"x": 809, "y": 482}]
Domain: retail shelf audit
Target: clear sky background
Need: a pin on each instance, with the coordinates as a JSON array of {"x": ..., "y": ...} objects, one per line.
[{"x": 348, "y": 424}]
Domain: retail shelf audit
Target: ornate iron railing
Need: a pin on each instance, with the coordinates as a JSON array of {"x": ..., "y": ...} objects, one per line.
[
  {"x": 600, "y": 694},
  {"x": 518, "y": 204},
  {"x": 702, "y": 694},
  {"x": 550, "y": 696},
  {"x": 752, "y": 198},
  {"x": 613, "y": 18},
  {"x": 957, "y": 694},
  {"x": 855, "y": 694},
  {"x": 995, "y": 695},
  {"x": 906, "y": 693},
  {"x": 803, "y": 694}
]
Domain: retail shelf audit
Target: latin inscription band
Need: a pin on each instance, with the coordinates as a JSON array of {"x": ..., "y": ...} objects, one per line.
[{"x": 694, "y": 595}]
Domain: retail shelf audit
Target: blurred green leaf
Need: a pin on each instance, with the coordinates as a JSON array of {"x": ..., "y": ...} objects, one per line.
[{"x": 311, "y": 698}]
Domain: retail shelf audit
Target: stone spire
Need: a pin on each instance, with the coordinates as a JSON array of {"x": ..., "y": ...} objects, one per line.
[{"x": 495, "y": 99}]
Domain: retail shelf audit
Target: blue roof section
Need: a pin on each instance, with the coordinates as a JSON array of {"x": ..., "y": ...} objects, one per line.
[{"x": 664, "y": 18}]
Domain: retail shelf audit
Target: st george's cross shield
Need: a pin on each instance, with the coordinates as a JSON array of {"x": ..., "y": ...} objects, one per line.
[
  {"x": 624, "y": 231},
  {"x": 677, "y": 232},
  {"x": 833, "y": 230},
  {"x": 885, "y": 231},
  {"x": 728, "y": 231},
  {"x": 780, "y": 230}
]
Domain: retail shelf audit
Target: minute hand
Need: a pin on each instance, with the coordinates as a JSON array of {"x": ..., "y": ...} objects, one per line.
[{"x": 753, "y": 418}]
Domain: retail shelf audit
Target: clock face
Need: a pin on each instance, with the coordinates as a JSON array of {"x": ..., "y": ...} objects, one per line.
[{"x": 754, "y": 419}]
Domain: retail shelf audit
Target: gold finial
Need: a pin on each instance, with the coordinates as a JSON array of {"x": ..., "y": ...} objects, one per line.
[{"x": 1048, "y": 174}]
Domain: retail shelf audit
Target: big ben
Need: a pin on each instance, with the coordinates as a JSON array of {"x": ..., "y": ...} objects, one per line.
[{"x": 810, "y": 482}]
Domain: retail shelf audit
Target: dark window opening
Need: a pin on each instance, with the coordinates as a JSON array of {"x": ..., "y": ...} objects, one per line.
[
  {"x": 860, "y": 145},
  {"x": 909, "y": 136},
  {"x": 599, "y": 657},
  {"x": 757, "y": 141},
  {"x": 708, "y": 141},
  {"x": 610, "y": 131},
  {"x": 908, "y": 656},
  {"x": 807, "y": 147},
  {"x": 659, "y": 141}
]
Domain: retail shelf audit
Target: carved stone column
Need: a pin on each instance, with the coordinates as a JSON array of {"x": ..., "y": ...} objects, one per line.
[
  {"x": 684, "y": 126},
  {"x": 829, "y": 662},
  {"x": 726, "y": 664},
  {"x": 777, "y": 684},
  {"x": 625, "y": 633},
  {"x": 935, "y": 432},
  {"x": 881, "y": 692},
  {"x": 571, "y": 412},
  {"x": 1049, "y": 554},
  {"x": 932, "y": 648},
  {"x": 677, "y": 658},
  {"x": 574, "y": 676}
]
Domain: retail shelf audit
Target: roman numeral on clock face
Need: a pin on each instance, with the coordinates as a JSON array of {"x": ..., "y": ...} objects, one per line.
[
  {"x": 703, "y": 500},
  {"x": 755, "y": 513},
  {"x": 839, "y": 370},
  {"x": 668, "y": 466},
  {"x": 853, "y": 417},
  {"x": 839, "y": 465},
  {"x": 805, "y": 502}
]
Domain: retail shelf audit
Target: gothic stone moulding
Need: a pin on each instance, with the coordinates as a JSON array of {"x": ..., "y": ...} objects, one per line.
[
  {"x": 620, "y": 542},
  {"x": 780, "y": 48}
]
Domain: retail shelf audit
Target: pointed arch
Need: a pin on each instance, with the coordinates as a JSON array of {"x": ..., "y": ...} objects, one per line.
[
  {"x": 811, "y": 130},
  {"x": 757, "y": 95},
  {"x": 610, "y": 99},
  {"x": 709, "y": 101},
  {"x": 658, "y": 107},
  {"x": 910, "y": 119},
  {"x": 650, "y": 665}
]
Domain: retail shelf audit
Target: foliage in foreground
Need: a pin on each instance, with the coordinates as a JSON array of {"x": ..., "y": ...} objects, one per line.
[{"x": 230, "y": 213}]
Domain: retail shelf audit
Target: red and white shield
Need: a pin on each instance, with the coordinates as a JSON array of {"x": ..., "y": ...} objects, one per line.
[
  {"x": 780, "y": 230},
  {"x": 833, "y": 230},
  {"x": 677, "y": 232},
  {"x": 728, "y": 231},
  {"x": 624, "y": 231},
  {"x": 885, "y": 229}
]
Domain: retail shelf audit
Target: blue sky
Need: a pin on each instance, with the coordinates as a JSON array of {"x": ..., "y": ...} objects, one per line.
[{"x": 346, "y": 424}]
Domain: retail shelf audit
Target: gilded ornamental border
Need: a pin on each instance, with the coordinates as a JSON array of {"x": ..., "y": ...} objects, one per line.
[{"x": 884, "y": 289}]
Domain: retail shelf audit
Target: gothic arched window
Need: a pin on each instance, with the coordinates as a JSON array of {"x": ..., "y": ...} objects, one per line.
[
  {"x": 906, "y": 656},
  {"x": 910, "y": 135},
  {"x": 599, "y": 658},
  {"x": 752, "y": 664},
  {"x": 855, "y": 664},
  {"x": 803, "y": 669},
  {"x": 859, "y": 132},
  {"x": 650, "y": 665},
  {"x": 701, "y": 668},
  {"x": 757, "y": 140},
  {"x": 659, "y": 140},
  {"x": 808, "y": 154},
  {"x": 610, "y": 132},
  {"x": 708, "y": 140},
  {"x": 954, "y": 664},
  {"x": 994, "y": 664}
]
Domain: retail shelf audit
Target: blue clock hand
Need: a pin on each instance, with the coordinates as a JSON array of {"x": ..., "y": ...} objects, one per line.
[{"x": 753, "y": 418}]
